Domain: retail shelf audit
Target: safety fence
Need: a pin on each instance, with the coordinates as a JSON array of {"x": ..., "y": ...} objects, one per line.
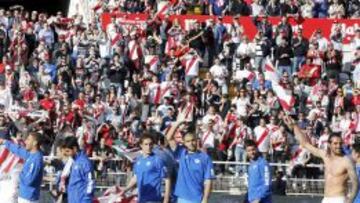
[{"x": 225, "y": 183}]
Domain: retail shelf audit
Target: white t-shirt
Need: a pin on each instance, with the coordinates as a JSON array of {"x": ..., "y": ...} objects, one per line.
[
  {"x": 219, "y": 72},
  {"x": 241, "y": 106}
]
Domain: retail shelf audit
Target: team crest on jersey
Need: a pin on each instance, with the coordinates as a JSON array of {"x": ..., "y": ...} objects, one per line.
[
  {"x": 148, "y": 163},
  {"x": 197, "y": 161}
]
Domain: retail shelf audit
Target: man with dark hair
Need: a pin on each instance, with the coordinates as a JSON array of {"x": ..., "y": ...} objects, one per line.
[
  {"x": 32, "y": 171},
  {"x": 149, "y": 171},
  {"x": 195, "y": 173},
  {"x": 259, "y": 175},
  {"x": 338, "y": 168},
  {"x": 81, "y": 181},
  {"x": 355, "y": 154}
]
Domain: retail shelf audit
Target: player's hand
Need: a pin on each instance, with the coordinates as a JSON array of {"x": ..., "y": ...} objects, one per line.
[
  {"x": 2, "y": 141},
  {"x": 256, "y": 201}
]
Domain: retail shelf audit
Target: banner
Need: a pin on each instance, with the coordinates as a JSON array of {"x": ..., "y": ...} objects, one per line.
[{"x": 309, "y": 25}]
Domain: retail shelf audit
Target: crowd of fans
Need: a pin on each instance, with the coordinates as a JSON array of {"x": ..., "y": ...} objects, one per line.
[
  {"x": 62, "y": 77},
  {"x": 294, "y": 8}
]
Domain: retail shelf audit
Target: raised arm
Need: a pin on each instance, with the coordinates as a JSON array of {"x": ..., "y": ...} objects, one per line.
[
  {"x": 299, "y": 136},
  {"x": 174, "y": 126},
  {"x": 353, "y": 179},
  {"x": 15, "y": 149}
]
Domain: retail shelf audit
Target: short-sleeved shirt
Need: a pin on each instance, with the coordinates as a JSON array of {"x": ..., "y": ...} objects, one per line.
[
  {"x": 149, "y": 171},
  {"x": 194, "y": 170}
]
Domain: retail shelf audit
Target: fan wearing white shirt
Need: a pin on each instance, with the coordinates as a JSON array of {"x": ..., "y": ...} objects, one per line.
[
  {"x": 213, "y": 115},
  {"x": 220, "y": 73},
  {"x": 262, "y": 138},
  {"x": 191, "y": 62},
  {"x": 244, "y": 50},
  {"x": 279, "y": 141},
  {"x": 242, "y": 102}
]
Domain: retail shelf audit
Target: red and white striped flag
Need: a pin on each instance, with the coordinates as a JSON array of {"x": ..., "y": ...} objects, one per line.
[
  {"x": 270, "y": 72},
  {"x": 286, "y": 100},
  {"x": 163, "y": 9},
  {"x": 8, "y": 160},
  {"x": 153, "y": 62}
]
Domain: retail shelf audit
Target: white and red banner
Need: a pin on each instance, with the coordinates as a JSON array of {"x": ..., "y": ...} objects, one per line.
[{"x": 309, "y": 25}]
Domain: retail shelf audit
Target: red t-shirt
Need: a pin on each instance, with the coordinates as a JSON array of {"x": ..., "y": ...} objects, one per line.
[{"x": 47, "y": 104}]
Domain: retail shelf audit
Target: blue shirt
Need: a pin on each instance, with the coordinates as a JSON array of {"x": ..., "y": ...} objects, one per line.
[
  {"x": 357, "y": 198},
  {"x": 167, "y": 157},
  {"x": 52, "y": 70},
  {"x": 216, "y": 9},
  {"x": 31, "y": 173},
  {"x": 256, "y": 85},
  {"x": 81, "y": 181},
  {"x": 220, "y": 30},
  {"x": 194, "y": 170},
  {"x": 149, "y": 172},
  {"x": 259, "y": 179}
]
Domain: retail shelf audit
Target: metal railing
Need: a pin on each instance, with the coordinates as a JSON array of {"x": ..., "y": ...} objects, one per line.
[{"x": 227, "y": 183}]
